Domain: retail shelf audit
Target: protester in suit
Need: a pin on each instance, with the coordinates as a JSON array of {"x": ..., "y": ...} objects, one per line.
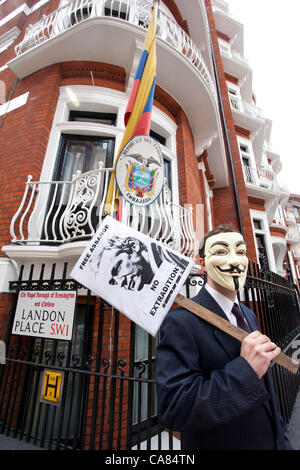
[{"x": 217, "y": 391}]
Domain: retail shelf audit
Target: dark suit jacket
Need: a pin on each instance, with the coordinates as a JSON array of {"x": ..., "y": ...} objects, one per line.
[{"x": 208, "y": 392}]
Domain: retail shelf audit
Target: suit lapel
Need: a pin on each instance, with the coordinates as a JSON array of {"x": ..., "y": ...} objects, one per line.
[
  {"x": 204, "y": 298},
  {"x": 229, "y": 344}
]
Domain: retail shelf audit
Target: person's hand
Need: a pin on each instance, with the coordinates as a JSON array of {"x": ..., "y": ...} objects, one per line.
[{"x": 259, "y": 351}]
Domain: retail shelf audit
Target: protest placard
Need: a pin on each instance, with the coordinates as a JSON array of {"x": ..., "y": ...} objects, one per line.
[{"x": 136, "y": 274}]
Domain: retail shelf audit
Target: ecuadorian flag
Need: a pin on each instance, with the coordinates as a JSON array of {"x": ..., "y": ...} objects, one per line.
[{"x": 139, "y": 107}]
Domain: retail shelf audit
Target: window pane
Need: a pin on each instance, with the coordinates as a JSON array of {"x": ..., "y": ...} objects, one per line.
[
  {"x": 162, "y": 140},
  {"x": 244, "y": 148},
  {"x": 83, "y": 154},
  {"x": 167, "y": 173},
  {"x": 257, "y": 224},
  {"x": 99, "y": 118}
]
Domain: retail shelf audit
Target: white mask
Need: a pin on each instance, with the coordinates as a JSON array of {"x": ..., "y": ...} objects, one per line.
[{"x": 226, "y": 261}]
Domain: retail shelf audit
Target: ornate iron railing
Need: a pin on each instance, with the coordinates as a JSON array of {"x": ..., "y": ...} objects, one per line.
[
  {"x": 261, "y": 177},
  {"x": 135, "y": 12},
  {"x": 57, "y": 212},
  {"x": 245, "y": 107},
  {"x": 109, "y": 399},
  {"x": 276, "y": 303}
]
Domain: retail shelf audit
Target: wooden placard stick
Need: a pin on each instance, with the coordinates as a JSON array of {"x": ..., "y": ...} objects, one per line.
[{"x": 225, "y": 325}]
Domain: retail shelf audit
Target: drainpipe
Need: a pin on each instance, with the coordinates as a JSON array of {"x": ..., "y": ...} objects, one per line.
[{"x": 237, "y": 202}]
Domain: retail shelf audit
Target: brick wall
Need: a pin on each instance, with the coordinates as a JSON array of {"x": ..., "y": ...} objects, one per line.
[
  {"x": 23, "y": 140},
  {"x": 188, "y": 174},
  {"x": 225, "y": 210},
  {"x": 6, "y": 301}
]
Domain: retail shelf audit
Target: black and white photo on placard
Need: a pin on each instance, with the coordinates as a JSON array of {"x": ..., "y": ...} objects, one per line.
[{"x": 133, "y": 272}]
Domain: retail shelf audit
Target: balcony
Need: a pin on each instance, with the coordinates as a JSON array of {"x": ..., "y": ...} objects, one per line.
[
  {"x": 245, "y": 107},
  {"x": 58, "y": 215},
  {"x": 112, "y": 32},
  {"x": 227, "y": 51},
  {"x": 293, "y": 236},
  {"x": 135, "y": 12},
  {"x": 261, "y": 178},
  {"x": 248, "y": 116}
]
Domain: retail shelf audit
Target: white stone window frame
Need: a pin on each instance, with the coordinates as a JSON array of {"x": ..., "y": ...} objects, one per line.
[
  {"x": 106, "y": 100},
  {"x": 250, "y": 156},
  {"x": 96, "y": 99},
  {"x": 265, "y": 231},
  {"x": 235, "y": 97}
]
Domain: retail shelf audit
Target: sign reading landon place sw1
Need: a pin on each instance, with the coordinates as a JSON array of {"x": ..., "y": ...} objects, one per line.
[
  {"x": 134, "y": 273},
  {"x": 45, "y": 314}
]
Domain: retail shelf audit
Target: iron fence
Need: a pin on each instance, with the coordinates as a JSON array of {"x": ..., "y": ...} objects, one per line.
[
  {"x": 108, "y": 395},
  {"x": 275, "y": 301}
]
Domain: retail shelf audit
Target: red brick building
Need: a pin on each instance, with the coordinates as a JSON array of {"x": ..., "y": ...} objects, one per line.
[{"x": 66, "y": 70}]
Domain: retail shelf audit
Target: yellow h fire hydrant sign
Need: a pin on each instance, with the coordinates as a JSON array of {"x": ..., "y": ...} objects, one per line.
[{"x": 52, "y": 387}]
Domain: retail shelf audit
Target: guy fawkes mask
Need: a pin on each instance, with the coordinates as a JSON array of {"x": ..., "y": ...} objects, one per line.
[{"x": 226, "y": 261}]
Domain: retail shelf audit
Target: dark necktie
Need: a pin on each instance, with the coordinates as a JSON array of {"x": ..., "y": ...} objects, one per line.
[
  {"x": 240, "y": 320},
  {"x": 241, "y": 323}
]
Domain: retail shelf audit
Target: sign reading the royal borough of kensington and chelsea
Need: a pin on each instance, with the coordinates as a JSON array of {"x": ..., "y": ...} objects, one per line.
[
  {"x": 139, "y": 171},
  {"x": 45, "y": 314}
]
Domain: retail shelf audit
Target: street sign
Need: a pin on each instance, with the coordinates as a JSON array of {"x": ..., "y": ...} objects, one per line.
[{"x": 45, "y": 314}]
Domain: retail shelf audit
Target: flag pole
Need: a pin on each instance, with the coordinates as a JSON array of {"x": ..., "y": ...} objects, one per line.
[{"x": 156, "y": 7}]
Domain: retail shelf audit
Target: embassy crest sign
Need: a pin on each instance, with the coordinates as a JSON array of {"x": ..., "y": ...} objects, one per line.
[{"x": 139, "y": 171}]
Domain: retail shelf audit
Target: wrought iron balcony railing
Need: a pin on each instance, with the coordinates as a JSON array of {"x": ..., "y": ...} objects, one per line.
[
  {"x": 261, "y": 177},
  {"x": 59, "y": 212},
  {"x": 229, "y": 52},
  {"x": 245, "y": 107},
  {"x": 135, "y": 12}
]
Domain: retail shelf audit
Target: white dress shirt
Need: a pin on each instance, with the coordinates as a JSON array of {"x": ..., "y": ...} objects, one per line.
[{"x": 225, "y": 303}]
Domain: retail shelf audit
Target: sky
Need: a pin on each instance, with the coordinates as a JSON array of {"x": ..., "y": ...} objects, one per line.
[{"x": 271, "y": 45}]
